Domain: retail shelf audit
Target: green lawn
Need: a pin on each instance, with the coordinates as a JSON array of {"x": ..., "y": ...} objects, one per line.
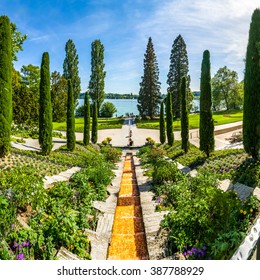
[
  {"x": 103, "y": 123},
  {"x": 222, "y": 117}
]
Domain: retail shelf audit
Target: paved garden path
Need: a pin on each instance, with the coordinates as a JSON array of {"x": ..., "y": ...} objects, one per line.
[{"x": 128, "y": 240}]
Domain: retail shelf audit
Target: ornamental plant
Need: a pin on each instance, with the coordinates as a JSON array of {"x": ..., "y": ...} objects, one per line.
[
  {"x": 45, "y": 111},
  {"x": 71, "y": 138},
  {"x": 251, "y": 116},
  {"x": 5, "y": 85}
]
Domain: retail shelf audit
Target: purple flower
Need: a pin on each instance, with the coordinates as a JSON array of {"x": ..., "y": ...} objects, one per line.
[
  {"x": 12, "y": 226},
  {"x": 204, "y": 248},
  {"x": 27, "y": 244},
  {"x": 184, "y": 254},
  {"x": 15, "y": 245},
  {"x": 158, "y": 199},
  {"x": 194, "y": 250},
  {"x": 189, "y": 252},
  {"x": 20, "y": 256},
  {"x": 23, "y": 243}
]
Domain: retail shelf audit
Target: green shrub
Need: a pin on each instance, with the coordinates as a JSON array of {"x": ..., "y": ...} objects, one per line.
[
  {"x": 165, "y": 171},
  {"x": 203, "y": 215},
  {"x": 111, "y": 154}
]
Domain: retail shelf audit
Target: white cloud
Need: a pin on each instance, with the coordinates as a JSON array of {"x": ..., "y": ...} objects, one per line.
[{"x": 220, "y": 26}]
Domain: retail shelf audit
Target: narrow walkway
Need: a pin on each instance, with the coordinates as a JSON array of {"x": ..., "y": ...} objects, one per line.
[{"x": 128, "y": 241}]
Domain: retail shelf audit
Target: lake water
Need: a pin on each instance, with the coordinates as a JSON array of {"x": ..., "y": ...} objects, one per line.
[{"x": 125, "y": 106}]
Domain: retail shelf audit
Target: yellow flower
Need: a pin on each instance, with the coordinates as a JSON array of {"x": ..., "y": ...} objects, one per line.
[
  {"x": 241, "y": 211},
  {"x": 251, "y": 210},
  {"x": 244, "y": 212}
]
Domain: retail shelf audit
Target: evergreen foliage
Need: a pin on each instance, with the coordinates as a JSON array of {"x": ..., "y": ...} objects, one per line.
[
  {"x": 71, "y": 69},
  {"x": 5, "y": 136},
  {"x": 184, "y": 117},
  {"x": 251, "y": 117},
  {"x": 169, "y": 119},
  {"x": 71, "y": 138},
  {"x": 5, "y": 85},
  {"x": 179, "y": 67},
  {"x": 162, "y": 124},
  {"x": 107, "y": 110},
  {"x": 45, "y": 110},
  {"x": 97, "y": 77},
  {"x": 206, "y": 129},
  {"x": 59, "y": 96},
  {"x": 94, "y": 134},
  {"x": 149, "y": 93},
  {"x": 86, "y": 135}
]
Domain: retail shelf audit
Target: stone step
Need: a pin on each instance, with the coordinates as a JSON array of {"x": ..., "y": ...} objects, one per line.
[
  {"x": 243, "y": 191},
  {"x": 105, "y": 223},
  {"x": 65, "y": 254}
]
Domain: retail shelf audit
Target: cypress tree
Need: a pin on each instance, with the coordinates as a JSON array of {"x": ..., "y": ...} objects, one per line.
[
  {"x": 45, "y": 108},
  {"x": 71, "y": 68},
  {"x": 251, "y": 117},
  {"x": 5, "y": 85},
  {"x": 184, "y": 117},
  {"x": 169, "y": 119},
  {"x": 94, "y": 134},
  {"x": 206, "y": 129},
  {"x": 97, "y": 77},
  {"x": 179, "y": 67},
  {"x": 162, "y": 125},
  {"x": 71, "y": 139},
  {"x": 86, "y": 136},
  {"x": 149, "y": 93}
]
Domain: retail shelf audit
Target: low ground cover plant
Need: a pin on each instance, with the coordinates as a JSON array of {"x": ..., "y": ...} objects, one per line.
[
  {"x": 58, "y": 216},
  {"x": 203, "y": 221}
]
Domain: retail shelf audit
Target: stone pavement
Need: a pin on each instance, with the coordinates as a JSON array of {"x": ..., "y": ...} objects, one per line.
[
  {"x": 100, "y": 238},
  {"x": 120, "y": 137},
  {"x": 62, "y": 176}
]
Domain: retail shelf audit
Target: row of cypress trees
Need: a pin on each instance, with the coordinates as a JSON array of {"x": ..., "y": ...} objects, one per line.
[
  {"x": 206, "y": 129},
  {"x": 45, "y": 105},
  {"x": 251, "y": 108}
]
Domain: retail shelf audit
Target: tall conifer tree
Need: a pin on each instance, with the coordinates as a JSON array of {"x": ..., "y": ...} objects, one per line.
[
  {"x": 86, "y": 136},
  {"x": 45, "y": 108},
  {"x": 98, "y": 74},
  {"x": 71, "y": 138},
  {"x": 5, "y": 85},
  {"x": 179, "y": 67},
  {"x": 184, "y": 117},
  {"x": 162, "y": 124},
  {"x": 206, "y": 129},
  {"x": 169, "y": 119},
  {"x": 94, "y": 133},
  {"x": 149, "y": 94},
  {"x": 71, "y": 69},
  {"x": 251, "y": 117}
]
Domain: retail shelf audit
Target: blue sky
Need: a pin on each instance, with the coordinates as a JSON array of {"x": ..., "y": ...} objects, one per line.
[{"x": 221, "y": 26}]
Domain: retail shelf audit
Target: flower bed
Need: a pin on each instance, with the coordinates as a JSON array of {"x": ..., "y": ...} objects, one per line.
[
  {"x": 203, "y": 221},
  {"x": 56, "y": 217}
]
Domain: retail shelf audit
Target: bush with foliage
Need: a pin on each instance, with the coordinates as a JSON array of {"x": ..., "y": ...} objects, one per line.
[
  {"x": 165, "y": 171},
  {"x": 107, "y": 110},
  {"x": 203, "y": 215},
  {"x": 111, "y": 154}
]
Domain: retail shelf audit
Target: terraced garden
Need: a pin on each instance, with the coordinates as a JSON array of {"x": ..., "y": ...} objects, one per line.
[
  {"x": 204, "y": 222},
  {"x": 37, "y": 222}
]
